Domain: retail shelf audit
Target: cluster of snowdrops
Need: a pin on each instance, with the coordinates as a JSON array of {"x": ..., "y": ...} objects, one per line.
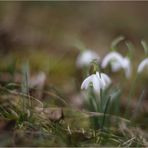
[
  {"x": 117, "y": 62},
  {"x": 98, "y": 92}
]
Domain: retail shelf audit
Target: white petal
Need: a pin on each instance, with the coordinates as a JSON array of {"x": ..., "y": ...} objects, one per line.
[
  {"x": 142, "y": 65},
  {"x": 91, "y": 79},
  {"x": 117, "y": 62},
  {"x": 101, "y": 83},
  {"x": 113, "y": 56},
  {"x": 86, "y": 82},
  {"x": 106, "y": 79},
  {"x": 127, "y": 67},
  {"x": 96, "y": 84},
  {"x": 115, "y": 66}
]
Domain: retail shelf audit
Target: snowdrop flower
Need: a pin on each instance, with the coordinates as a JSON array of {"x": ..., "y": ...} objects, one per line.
[
  {"x": 115, "y": 59},
  {"x": 127, "y": 66},
  {"x": 142, "y": 65},
  {"x": 98, "y": 81},
  {"x": 86, "y": 57},
  {"x": 117, "y": 62}
]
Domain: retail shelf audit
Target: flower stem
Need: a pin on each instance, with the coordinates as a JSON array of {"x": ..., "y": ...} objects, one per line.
[{"x": 131, "y": 93}]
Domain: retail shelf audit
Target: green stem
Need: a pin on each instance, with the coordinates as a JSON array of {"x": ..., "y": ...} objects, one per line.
[
  {"x": 106, "y": 107},
  {"x": 131, "y": 93},
  {"x": 116, "y": 41}
]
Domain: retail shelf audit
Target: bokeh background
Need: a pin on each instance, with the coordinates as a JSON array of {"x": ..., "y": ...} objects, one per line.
[
  {"x": 47, "y": 34},
  {"x": 46, "y": 38}
]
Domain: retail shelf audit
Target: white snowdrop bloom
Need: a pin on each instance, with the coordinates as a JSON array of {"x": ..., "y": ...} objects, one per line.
[
  {"x": 115, "y": 66},
  {"x": 142, "y": 65},
  {"x": 117, "y": 62},
  {"x": 106, "y": 81},
  {"x": 99, "y": 81},
  {"x": 113, "y": 58},
  {"x": 86, "y": 57},
  {"x": 126, "y": 64}
]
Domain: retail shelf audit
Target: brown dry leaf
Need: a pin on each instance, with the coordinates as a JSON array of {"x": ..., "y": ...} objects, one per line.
[
  {"x": 51, "y": 113},
  {"x": 54, "y": 114},
  {"x": 77, "y": 100}
]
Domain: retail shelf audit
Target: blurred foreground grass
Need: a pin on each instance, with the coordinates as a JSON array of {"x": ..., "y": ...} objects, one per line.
[
  {"x": 52, "y": 120},
  {"x": 37, "y": 125},
  {"x": 39, "y": 34}
]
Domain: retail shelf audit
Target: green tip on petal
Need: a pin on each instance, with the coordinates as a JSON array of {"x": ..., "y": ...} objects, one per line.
[
  {"x": 145, "y": 47},
  {"x": 130, "y": 47}
]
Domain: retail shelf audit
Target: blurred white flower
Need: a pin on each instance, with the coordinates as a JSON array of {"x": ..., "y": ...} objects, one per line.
[
  {"x": 142, "y": 65},
  {"x": 98, "y": 81},
  {"x": 117, "y": 62},
  {"x": 38, "y": 80},
  {"x": 126, "y": 64},
  {"x": 86, "y": 57},
  {"x": 115, "y": 59}
]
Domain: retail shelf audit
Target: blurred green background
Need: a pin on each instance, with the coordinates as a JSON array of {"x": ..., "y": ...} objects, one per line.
[{"x": 46, "y": 34}]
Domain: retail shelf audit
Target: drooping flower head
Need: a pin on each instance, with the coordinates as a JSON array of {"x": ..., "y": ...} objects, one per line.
[
  {"x": 117, "y": 62},
  {"x": 98, "y": 81},
  {"x": 86, "y": 57},
  {"x": 113, "y": 58},
  {"x": 142, "y": 65}
]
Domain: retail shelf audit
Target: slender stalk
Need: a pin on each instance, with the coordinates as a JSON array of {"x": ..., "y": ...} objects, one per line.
[
  {"x": 106, "y": 107},
  {"x": 139, "y": 103},
  {"x": 131, "y": 93}
]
